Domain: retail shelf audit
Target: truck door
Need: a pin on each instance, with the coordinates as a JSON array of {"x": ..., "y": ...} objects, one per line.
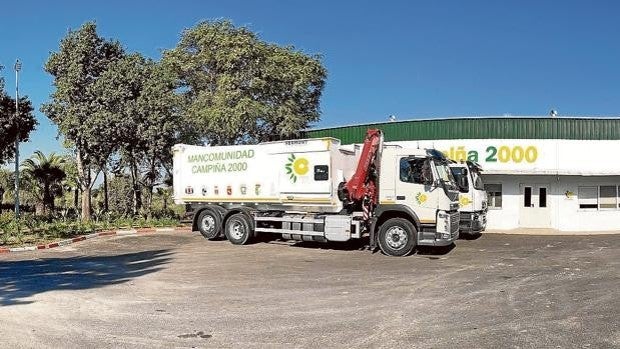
[{"x": 414, "y": 187}]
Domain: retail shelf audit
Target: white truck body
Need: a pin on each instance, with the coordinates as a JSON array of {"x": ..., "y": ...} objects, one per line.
[
  {"x": 289, "y": 175},
  {"x": 292, "y": 188}
]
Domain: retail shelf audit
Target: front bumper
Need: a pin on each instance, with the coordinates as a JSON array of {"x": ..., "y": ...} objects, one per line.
[
  {"x": 473, "y": 222},
  {"x": 448, "y": 230}
]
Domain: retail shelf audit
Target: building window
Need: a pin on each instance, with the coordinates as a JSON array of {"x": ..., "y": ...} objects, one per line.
[
  {"x": 542, "y": 197},
  {"x": 588, "y": 197},
  {"x": 494, "y": 194},
  {"x": 604, "y": 197},
  {"x": 608, "y": 197},
  {"x": 527, "y": 197}
]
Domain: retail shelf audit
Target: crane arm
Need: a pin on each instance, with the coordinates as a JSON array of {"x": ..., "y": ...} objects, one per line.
[{"x": 362, "y": 184}]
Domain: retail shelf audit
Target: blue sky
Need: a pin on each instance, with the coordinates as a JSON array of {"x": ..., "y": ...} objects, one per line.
[{"x": 412, "y": 59}]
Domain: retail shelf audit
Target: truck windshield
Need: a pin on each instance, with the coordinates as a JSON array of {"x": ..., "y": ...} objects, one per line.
[
  {"x": 461, "y": 179},
  {"x": 445, "y": 175}
]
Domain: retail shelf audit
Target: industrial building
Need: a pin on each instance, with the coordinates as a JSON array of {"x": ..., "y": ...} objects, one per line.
[{"x": 559, "y": 173}]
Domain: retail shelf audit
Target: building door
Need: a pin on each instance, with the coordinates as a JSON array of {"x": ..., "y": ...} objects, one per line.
[{"x": 534, "y": 209}]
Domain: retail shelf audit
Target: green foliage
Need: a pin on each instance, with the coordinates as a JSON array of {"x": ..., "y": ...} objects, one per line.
[
  {"x": 14, "y": 126},
  {"x": 6, "y": 219},
  {"x": 82, "y": 58},
  {"x": 36, "y": 229},
  {"x": 238, "y": 88},
  {"x": 45, "y": 174},
  {"x": 138, "y": 98},
  {"x": 120, "y": 195}
]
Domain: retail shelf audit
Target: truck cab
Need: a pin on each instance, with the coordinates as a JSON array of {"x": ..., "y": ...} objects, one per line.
[
  {"x": 419, "y": 183},
  {"x": 472, "y": 197}
]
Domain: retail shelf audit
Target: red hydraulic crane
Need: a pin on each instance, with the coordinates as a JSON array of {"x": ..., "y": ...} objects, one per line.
[{"x": 362, "y": 187}]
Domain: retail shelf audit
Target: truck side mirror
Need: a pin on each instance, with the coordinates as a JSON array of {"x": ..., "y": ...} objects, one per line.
[{"x": 463, "y": 182}]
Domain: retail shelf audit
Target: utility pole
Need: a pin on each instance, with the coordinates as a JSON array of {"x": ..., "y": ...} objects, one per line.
[{"x": 18, "y": 67}]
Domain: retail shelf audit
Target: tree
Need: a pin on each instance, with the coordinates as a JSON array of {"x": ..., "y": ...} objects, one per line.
[
  {"x": 238, "y": 88},
  {"x": 82, "y": 57},
  {"x": 47, "y": 173},
  {"x": 13, "y": 126},
  {"x": 120, "y": 195},
  {"x": 137, "y": 95},
  {"x": 7, "y": 183}
]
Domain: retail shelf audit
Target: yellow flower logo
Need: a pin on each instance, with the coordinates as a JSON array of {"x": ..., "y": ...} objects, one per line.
[
  {"x": 300, "y": 166},
  {"x": 296, "y": 167},
  {"x": 421, "y": 198},
  {"x": 464, "y": 201}
]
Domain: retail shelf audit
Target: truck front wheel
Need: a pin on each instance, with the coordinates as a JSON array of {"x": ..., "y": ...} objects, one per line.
[
  {"x": 397, "y": 237},
  {"x": 209, "y": 224},
  {"x": 238, "y": 229}
]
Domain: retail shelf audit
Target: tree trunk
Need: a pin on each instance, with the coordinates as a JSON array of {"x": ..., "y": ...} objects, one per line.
[
  {"x": 137, "y": 198},
  {"x": 46, "y": 198},
  {"x": 84, "y": 177},
  {"x": 90, "y": 197},
  {"x": 105, "y": 189},
  {"x": 86, "y": 204},
  {"x": 76, "y": 197},
  {"x": 151, "y": 184}
]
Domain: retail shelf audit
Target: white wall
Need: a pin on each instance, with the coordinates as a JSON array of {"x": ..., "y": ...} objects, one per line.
[{"x": 565, "y": 212}]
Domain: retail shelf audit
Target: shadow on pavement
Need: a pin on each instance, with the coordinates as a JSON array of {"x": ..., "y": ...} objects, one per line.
[
  {"x": 22, "y": 279},
  {"x": 434, "y": 251},
  {"x": 470, "y": 236}
]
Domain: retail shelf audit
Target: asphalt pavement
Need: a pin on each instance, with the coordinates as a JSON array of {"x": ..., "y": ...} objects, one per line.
[{"x": 178, "y": 290}]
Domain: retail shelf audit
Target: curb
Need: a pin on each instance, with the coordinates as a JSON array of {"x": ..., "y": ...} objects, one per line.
[{"x": 120, "y": 232}]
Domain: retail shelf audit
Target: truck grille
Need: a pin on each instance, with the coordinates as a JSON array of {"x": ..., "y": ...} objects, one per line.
[{"x": 454, "y": 223}]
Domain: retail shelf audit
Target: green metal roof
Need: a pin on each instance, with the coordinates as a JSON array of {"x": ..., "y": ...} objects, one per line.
[{"x": 481, "y": 128}]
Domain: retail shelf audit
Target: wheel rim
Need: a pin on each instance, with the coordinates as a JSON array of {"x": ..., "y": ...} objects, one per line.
[
  {"x": 208, "y": 223},
  {"x": 236, "y": 230},
  {"x": 396, "y": 238}
]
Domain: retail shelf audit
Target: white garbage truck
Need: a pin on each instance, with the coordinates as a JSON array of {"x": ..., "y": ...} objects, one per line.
[
  {"x": 317, "y": 190},
  {"x": 472, "y": 197}
]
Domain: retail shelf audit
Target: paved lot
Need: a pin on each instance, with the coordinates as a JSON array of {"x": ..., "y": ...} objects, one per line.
[{"x": 179, "y": 290}]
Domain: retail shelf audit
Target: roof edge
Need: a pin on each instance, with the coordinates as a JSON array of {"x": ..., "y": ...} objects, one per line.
[{"x": 539, "y": 117}]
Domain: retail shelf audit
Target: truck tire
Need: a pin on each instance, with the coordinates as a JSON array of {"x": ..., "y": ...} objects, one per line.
[
  {"x": 209, "y": 224},
  {"x": 239, "y": 229},
  {"x": 397, "y": 237}
]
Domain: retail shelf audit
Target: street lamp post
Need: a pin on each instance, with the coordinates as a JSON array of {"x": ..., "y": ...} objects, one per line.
[{"x": 18, "y": 67}]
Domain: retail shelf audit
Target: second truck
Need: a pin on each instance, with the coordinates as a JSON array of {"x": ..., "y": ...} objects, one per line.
[
  {"x": 316, "y": 190},
  {"x": 472, "y": 197}
]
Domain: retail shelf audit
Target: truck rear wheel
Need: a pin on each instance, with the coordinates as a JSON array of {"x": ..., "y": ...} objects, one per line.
[
  {"x": 209, "y": 224},
  {"x": 397, "y": 237},
  {"x": 238, "y": 228}
]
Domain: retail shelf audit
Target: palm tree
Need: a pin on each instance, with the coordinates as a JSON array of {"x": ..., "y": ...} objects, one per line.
[{"x": 46, "y": 173}]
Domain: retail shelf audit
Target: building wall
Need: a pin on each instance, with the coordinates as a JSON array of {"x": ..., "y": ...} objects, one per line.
[{"x": 565, "y": 214}]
